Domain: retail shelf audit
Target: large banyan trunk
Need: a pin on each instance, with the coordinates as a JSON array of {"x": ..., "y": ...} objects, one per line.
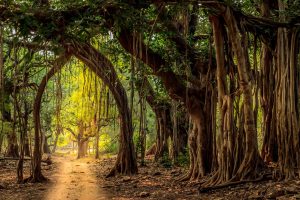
[
  {"x": 248, "y": 169},
  {"x": 231, "y": 166},
  {"x": 126, "y": 160},
  {"x": 226, "y": 134},
  {"x": 200, "y": 141},
  {"x": 37, "y": 175},
  {"x": 269, "y": 152},
  {"x": 286, "y": 99}
]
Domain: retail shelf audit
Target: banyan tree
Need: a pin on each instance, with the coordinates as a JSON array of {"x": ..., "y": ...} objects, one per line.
[{"x": 231, "y": 68}]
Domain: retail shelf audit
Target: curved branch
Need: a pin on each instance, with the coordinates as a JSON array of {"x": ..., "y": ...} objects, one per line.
[{"x": 36, "y": 171}]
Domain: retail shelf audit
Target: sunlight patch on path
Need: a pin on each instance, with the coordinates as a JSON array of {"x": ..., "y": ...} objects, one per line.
[{"x": 74, "y": 180}]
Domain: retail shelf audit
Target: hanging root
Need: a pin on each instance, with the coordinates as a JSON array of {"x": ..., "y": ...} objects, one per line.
[{"x": 264, "y": 177}]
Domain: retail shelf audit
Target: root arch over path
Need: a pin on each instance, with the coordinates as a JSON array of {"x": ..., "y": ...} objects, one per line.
[{"x": 103, "y": 68}]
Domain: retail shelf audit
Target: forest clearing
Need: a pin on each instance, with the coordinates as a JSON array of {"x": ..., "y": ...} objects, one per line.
[{"x": 149, "y": 99}]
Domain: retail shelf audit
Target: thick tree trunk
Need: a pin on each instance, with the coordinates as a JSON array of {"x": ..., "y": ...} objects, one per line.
[
  {"x": 193, "y": 99},
  {"x": 269, "y": 152},
  {"x": 82, "y": 148},
  {"x": 228, "y": 143},
  {"x": 199, "y": 140},
  {"x": 126, "y": 160},
  {"x": 163, "y": 129},
  {"x": 252, "y": 161},
  {"x": 286, "y": 99}
]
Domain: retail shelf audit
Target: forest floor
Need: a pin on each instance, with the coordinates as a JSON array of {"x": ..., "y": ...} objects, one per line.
[{"x": 84, "y": 179}]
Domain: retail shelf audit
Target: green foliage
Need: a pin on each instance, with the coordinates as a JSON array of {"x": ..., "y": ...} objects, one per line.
[
  {"x": 165, "y": 161},
  {"x": 5, "y": 128},
  {"x": 183, "y": 159},
  {"x": 63, "y": 141}
]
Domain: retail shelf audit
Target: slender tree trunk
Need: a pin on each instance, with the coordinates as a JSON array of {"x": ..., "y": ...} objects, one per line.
[
  {"x": 1, "y": 142},
  {"x": 46, "y": 148},
  {"x": 175, "y": 137},
  {"x": 1, "y": 85},
  {"x": 102, "y": 90},
  {"x": 97, "y": 145},
  {"x": 55, "y": 143},
  {"x": 163, "y": 129}
]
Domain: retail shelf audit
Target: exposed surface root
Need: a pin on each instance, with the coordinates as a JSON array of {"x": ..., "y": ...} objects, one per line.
[
  {"x": 40, "y": 179},
  {"x": 264, "y": 177}
]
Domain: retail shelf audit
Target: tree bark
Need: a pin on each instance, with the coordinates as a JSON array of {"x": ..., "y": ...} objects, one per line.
[
  {"x": 269, "y": 150},
  {"x": 252, "y": 161},
  {"x": 286, "y": 99}
]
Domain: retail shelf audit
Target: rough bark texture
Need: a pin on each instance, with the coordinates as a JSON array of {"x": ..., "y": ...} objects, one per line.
[
  {"x": 269, "y": 152},
  {"x": 286, "y": 100},
  {"x": 252, "y": 161}
]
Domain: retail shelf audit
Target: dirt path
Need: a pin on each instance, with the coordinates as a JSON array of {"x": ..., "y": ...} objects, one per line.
[{"x": 74, "y": 180}]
